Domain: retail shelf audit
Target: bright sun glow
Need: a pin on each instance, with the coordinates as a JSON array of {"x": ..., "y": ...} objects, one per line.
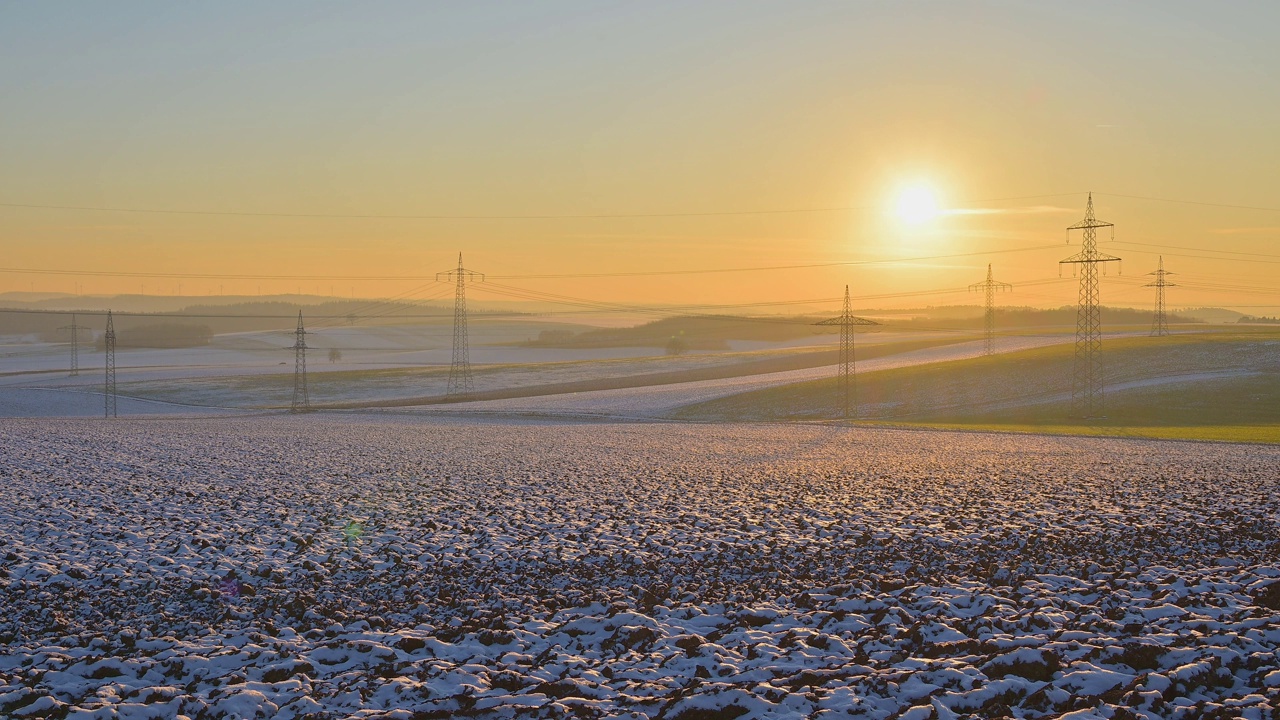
[{"x": 917, "y": 205}]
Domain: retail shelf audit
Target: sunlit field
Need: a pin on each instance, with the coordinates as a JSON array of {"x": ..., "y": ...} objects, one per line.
[
  {"x": 1201, "y": 384},
  {"x": 333, "y": 566}
]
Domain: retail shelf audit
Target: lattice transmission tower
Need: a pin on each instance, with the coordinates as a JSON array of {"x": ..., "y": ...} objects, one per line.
[
  {"x": 109, "y": 389},
  {"x": 1086, "y": 378},
  {"x": 75, "y": 344},
  {"x": 848, "y": 385},
  {"x": 301, "y": 398},
  {"x": 1160, "y": 324},
  {"x": 460, "y": 369},
  {"x": 990, "y": 286}
]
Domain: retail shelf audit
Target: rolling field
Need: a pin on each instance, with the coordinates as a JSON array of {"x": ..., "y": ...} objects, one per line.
[
  {"x": 336, "y": 566},
  {"x": 1219, "y": 385}
]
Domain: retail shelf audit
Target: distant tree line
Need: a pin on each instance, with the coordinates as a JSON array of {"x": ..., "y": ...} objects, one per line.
[
  {"x": 160, "y": 336},
  {"x": 1260, "y": 320},
  {"x": 679, "y": 335},
  {"x": 238, "y": 317},
  {"x": 1034, "y": 317}
]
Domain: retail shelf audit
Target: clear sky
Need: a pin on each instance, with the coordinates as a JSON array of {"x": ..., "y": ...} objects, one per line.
[{"x": 568, "y": 108}]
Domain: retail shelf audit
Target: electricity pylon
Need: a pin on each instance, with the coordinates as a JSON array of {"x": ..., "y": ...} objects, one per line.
[
  {"x": 460, "y": 368},
  {"x": 990, "y": 286},
  {"x": 75, "y": 344},
  {"x": 109, "y": 389},
  {"x": 1160, "y": 325},
  {"x": 301, "y": 398},
  {"x": 848, "y": 382},
  {"x": 1086, "y": 378}
]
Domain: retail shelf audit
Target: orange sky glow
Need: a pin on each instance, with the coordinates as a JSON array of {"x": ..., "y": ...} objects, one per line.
[{"x": 730, "y": 135}]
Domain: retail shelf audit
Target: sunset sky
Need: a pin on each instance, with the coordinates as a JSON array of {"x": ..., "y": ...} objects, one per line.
[{"x": 1003, "y": 113}]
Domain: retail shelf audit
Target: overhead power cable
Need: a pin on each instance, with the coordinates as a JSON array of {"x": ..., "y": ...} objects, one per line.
[
  {"x": 1202, "y": 257},
  {"x": 531, "y": 216},
  {"x": 638, "y": 273},
  {"x": 1183, "y": 247},
  {"x": 1191, "y": 202}
]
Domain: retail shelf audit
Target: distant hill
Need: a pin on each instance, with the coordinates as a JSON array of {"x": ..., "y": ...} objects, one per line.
[
  {"x": 1028, "y": 317},
  {"x": 1213, "y": 315},
  {"x": 714, "y": 332},
  {"x": 690, "y": 333},
  {"x": 249, "y": 316}
]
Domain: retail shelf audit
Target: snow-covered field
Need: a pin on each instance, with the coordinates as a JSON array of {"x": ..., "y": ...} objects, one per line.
[
  {"x": 44, "y": 402},
  {"x": 336, "y": 566},
  {"x": 662, "y": 400},
  {"x": 253, "y": 370}
]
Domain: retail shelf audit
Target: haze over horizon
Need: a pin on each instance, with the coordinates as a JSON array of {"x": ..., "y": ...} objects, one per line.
[{"x": 954, "y": 136}]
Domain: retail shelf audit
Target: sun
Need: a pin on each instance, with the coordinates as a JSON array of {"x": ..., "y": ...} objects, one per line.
[{"x": 916, "y": 205}]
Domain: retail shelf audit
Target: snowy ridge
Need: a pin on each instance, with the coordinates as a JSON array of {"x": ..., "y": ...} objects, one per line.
[{"x": 208, "y": 569}]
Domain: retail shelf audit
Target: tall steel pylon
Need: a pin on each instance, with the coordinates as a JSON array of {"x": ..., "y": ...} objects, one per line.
[
  {"x": 75, "y": 344},
  {"x": 301, "y": 398},
  {"x": 1160, "y": 324},
  {"x": 848, "y": 368},
  {"x": 990, "y": 286},
  {"x": 109, "y": 388},
  {"x": 460, "y": 369},
  {"x": 1086, "y": 379}
]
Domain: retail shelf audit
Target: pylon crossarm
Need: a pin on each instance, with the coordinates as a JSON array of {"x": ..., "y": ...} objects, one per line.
[
  {"x": 1090, "y": 224},
  {"x": 1081, "y": 258},
  {"x": 451, "y": 275},
  {"x": 850, "y": 320}
]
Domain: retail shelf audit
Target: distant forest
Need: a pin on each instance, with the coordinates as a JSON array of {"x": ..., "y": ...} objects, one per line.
[
  {"x": 240, "y": 317},
  {"x": 714, "y": 332},
  {"x": 168, "y": 335},
  {"x": 702, "y": 332},
  {"x": 689, "y": 333},
  {"x": 1026, "y": 317}
]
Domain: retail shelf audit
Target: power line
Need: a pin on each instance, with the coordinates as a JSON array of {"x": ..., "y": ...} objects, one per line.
[
  {"x": 301, "y": 397},
  {"x": 536, "y": 216},
  {"x": 1192, "y": 202},
  {"x": 1200, "y": 257},
  {"x": 848, "y": 368},
  {"x": 1086, "y": 379},
  {"x": 75, "y": 344},
  {"x": 842, "y": 263},
  {"x": 989, "y": 287},
  {"x": 589, "y": 215},
  {"x": 1160, "y": 323},
  {"x": 109, "y": 382},
  {"x": 460, "y": 380},
  {"x": 637, "y": 273},
  {"x": 216, "y": 316},
  {"x": 1183, "y": 247},
  {"x": 587, "y": 307}
]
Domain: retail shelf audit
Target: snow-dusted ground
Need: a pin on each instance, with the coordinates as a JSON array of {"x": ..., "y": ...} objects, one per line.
[
  {"x": 661, "y": 400},
  {"x": 231, "y": 371},
  {"x": 41, "y": 402},
  {"x": 200, "y": 567},
  {"x": 256, "y": 353},
  {"x": 23, "y": 359}
]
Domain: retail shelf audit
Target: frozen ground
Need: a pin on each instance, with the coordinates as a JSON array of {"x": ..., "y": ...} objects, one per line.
[
  {"x": 253, "y": 370},
  {"x": 210, "y": 568},
  {"x": 89, "y": 402},
  {"x": 23, "y": 359},
  {"x": 661, "y": 400}
]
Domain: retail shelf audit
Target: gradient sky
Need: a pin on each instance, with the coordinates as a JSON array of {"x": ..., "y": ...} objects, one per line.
[{"x": 411, "y": 108}]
